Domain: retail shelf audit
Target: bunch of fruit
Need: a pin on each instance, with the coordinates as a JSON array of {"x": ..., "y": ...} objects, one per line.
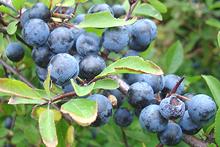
[{"x": 69, "y": 52}]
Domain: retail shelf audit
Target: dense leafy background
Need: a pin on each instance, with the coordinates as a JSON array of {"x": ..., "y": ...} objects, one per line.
[{"x": 186, "y": 45}]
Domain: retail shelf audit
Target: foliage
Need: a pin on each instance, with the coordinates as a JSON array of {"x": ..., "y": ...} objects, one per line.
[{"x": 187, "y": 44}]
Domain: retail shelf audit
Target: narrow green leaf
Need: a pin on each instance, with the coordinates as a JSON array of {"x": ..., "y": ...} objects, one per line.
[
  {"x": 148, "y": 10},
  {"x": 83, "y": 111},
  {"x": 37, "y": 112},
  {"x": 103, "y": 20},
  {"x": 218, "y": 38},
  {"x": 70, "y": 135},
  {"x": 17, "y": 88},
  {"x": 47, "y": 128},
  {"x": 213, "y": 22},
  {"x": 132, "y": 64},
  {"x": 158, "y": 5},
  {"x": 18, "y": 4},
  {"x": 173, "y": 57},
  {"x": 106, "y": 84},
  {"x": 213, "y": 85},
  {"x": 81, "y": 1},
  {"x": 82, "y": 90},
  {"x": 47, "y": 84},
  {"x": 18, "y": 100},
  {"x": 5, "y": 10},
  {"x": 217, "y": 127},
  {"x": 12, "y": 27}
]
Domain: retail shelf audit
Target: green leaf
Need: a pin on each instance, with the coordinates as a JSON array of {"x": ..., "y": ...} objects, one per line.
[
  {"x": 217, "y": 127},
  {"x": 213, "y": 85},
  {"x": 103, "y": 20},
  {"x": 47, "y": 128},
  {"x": 218, "y": 39},
  {"x": 37, "y": 112},
  {"x": 158, "y": 5},
  {"x": 18, "y": 4},
  {"x": 132, "y": 64},
  {"x": 17, "y": 88},
  {"x": 12, "y": 27},
  {"x": 5, "y": 10},
  {"x": 213, "y": 22},
  {"x": 70, "y": 135},
  {"x": 47, "y": 84},
  {"x": 147, "y": 10},
  {"x": 83, "y": 111},
  {"x": 81, "y": 1},
  {"x": 173, "y": 57},
  {"x": 18, "y": 100},
  {"x": 106, "y": 84},
  {"x": 82, "y": 90}
]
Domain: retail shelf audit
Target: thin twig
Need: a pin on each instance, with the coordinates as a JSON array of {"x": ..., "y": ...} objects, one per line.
[
  {"x": 125, "y": 140},
  {"x": 21, "y": 77},
  {"x": 21, "y": 40},
  {"x": 131, "y": 9},
  {"x": 75, "y": 8},
  {"x": 176, "y": 86}
]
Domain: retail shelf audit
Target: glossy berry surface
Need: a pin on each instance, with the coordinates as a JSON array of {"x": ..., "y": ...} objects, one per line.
[
  {"x": 140, "y": 95},
  {"x": 118, "y": 10},
  {"x": 14, "y": 52},
  {"x": 151, "y": 119},
  {"x": 188, "y": 126},
  {"x": 172, "y": 108},
  {"x": 104, "y": 109},
  {"x": 170, "y": 82},
  {"x": 90, "y": 66},
  {"x": 172, "y": 135},
  {"x": 61, "y": 40},
  {"x": 8, "y": 122},
  {"x": 88, "y": 43},
  {"x": 100, "y": 8},
  {"x": 115, "y": 39},
  {"x": 142, "y": 33},
  {"x": 61, "y": 73},
  {"x": 202, "y": 109},
  {"x": 35, "y": 32},
  {"x": 39, "y": 10},
  {"x": 123, "y": 117},
  {"x": 155, "y": 81},
  {"x": 42, "y": 55}
]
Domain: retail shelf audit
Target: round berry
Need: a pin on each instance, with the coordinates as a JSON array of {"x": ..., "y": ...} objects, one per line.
[
  {"x": 172, "y": 135},
  {"x": 39, "y": 10},
  {"x": 88, "y": 43},
  {"x": 118, "y": 10},
  {"x": 35, "y": 32},
  {"x": 100, "y": 8},
  {"x": 14, "y": 51},
  {"x": 123, "y": 117},
  {"x": 140, "y": 95},
  {"x": 104, "y": 109},
  {"x": 90, "y": 66},
  {"x": 63, "y": 67},
  {"x": 202, "y": 109},
  {"x": 115, "y": 39},
  {"x": 61, "y": 40},
  {"x": 172, "y": 108},
  {"x": 187, "y": 125}
]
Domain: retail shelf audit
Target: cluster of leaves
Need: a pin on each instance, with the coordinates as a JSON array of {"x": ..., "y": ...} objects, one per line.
[{"x": 53, "y": 129}]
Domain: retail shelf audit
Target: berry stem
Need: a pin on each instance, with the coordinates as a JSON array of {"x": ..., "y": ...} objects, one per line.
[
  {"x": 131, "y": 9},
  {"x": 176, "y": 86},
  {"x": 125, "y": 140}
]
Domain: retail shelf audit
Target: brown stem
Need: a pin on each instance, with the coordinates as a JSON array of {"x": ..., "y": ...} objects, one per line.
[
  {"x": 176, "y": 86},
  {"x": 131, "y": 9},
  {"x": 125, "y": 140},
  {"x": 193, "y": 141},
  {"x": 51, "y": 3},
  {"x": 75, "y": 8},
  {"x": 11, "y": 69},
  {"x": 62, "y": 16}
]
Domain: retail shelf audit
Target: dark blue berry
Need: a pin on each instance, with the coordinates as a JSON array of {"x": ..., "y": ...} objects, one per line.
[
  {"x": 123, "y": 117},
  {"x": 14, "y": 51}
]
